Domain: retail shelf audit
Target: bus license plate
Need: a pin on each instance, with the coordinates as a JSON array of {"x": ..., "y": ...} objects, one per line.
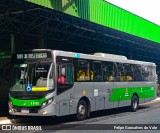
[{"x": 26, "y": 111}]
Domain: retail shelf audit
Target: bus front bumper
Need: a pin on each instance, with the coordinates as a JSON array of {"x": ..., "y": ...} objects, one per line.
[{"x": 36, "y": 111}]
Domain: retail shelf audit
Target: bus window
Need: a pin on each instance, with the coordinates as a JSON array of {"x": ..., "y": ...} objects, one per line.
[
  {"x": 137, "y": 73},
  {"x": 121, "y": 75},
  {"x": 51, "y": 79},
  {"x": 108, "y": 71},
  {"x": 61, "y": 75},
  {"x": 65, "y": 74},
  {"x": 145, "y": 73},
  {"x": 128, "y": 70},
  {"x": 151, "y": 73},
  {"x": 97, "y": 69},
  {"x": 82, "y": 71},
  {"x": 40, "y": 74},
  {"x": 35, "y": 74},
  {"x": 65, "y": 77},
  {"x": 20, "y": 74}
]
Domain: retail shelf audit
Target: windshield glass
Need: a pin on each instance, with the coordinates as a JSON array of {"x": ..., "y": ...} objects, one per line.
[
  {"x": 20, "y": 74},
  {"x": 34, "y": 75}
]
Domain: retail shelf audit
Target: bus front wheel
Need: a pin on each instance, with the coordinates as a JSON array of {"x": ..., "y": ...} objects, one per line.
[
  {"x": 81, "y": 110},
  {"x": 134, "y": 103}
]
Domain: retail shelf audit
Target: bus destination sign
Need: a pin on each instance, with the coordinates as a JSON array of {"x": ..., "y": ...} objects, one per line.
[{"x": 31, "y": 56}]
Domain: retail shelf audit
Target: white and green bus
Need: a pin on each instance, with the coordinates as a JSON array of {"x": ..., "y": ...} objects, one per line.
[{"x": 58, "y": 83}]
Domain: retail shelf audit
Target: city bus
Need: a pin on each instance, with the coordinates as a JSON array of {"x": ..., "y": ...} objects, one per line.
[{"x": 57, "y": 83}]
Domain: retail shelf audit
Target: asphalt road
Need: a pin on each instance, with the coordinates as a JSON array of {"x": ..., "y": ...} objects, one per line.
[{"x": 146, "y": 119}]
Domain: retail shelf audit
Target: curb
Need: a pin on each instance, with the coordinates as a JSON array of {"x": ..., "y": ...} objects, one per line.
[
  {"x": 157, "y": 99},
  {"x": 7, "y": 121}
]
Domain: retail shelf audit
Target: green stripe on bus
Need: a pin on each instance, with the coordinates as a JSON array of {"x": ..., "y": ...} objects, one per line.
[
  {"x": 27, "y": 103},
  {"x": 121, "y": 94}
]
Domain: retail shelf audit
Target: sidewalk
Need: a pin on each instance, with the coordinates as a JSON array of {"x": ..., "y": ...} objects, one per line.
[
  {"x": 5, "y": 120},
  {"x": 157, "y": 99}
]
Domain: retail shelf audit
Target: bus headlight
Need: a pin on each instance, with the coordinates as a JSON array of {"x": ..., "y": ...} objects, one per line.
[
  {"x": 10, "y": 107},
  {"x": 10, "y": 104},
  {"x": 46, "y": 103},
  {"x": 10, "y": 111},
  {"x": 50, "y": 101}
]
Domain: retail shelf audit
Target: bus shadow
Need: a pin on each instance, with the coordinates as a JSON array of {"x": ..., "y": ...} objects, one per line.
[{"x": 115, "y": 112}]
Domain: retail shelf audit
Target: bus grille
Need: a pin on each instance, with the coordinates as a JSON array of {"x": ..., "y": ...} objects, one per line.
[
  {"x": 28, "y": 95},
  {"x": 31, "y": 110}
]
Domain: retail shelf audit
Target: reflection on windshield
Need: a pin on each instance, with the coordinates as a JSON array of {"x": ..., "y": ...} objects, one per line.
[
  {"x": 20, "y": 73},
  {"x": 39, "y": 75}
]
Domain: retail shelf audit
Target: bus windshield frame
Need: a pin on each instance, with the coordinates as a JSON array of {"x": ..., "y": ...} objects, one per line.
[{"x": 35, "y": 74}]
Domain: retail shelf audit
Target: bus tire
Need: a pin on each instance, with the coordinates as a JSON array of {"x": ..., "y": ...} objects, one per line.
[
  {"x": 134, "y": 103},
  {"x": 82, "y": 110}
]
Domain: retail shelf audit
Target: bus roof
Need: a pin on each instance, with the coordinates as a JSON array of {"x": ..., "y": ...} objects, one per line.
[{"x": 101, "y": 57}]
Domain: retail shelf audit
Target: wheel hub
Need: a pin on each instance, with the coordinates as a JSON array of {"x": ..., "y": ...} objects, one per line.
[
  {"x": 81, "y": 109},
  {"x": 135, "y": 104}
]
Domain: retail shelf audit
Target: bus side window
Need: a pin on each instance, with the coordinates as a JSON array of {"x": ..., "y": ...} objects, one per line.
[
  {"x": 145, "y": 73},
  {"x": 128, "y": 71},
  {"x": 108, "y": 72},
  {"x": 137, "y": 72},
  {"x": 97, "y": 68},
  {"x": 121, "y": 75},
  {"x": 65, "y": 75},
  {"x": 151, "y": 73},
  {"x": 69, "y": 75},
  {"x": 83, "y": 72},
  {"x": 62, "y": 75},
  {"x": 50, "y": 84}
]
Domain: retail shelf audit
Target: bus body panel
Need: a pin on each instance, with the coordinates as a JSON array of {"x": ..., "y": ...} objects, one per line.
[
  {"x": 109, "y": 89},
  {"x": 100, "y": 92},
  {"x": 63, "y": 99},
  {"x": 84, "y": 89}
]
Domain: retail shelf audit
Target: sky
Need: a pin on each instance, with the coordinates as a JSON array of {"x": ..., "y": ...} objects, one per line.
[{"x": 147, "y": 9}]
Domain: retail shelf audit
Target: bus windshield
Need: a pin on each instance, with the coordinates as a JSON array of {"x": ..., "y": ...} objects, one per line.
[{"x": 37, "y": 75}]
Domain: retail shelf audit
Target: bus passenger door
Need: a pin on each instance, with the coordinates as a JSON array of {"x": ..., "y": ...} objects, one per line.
[{"x": 64, "y": 87}]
